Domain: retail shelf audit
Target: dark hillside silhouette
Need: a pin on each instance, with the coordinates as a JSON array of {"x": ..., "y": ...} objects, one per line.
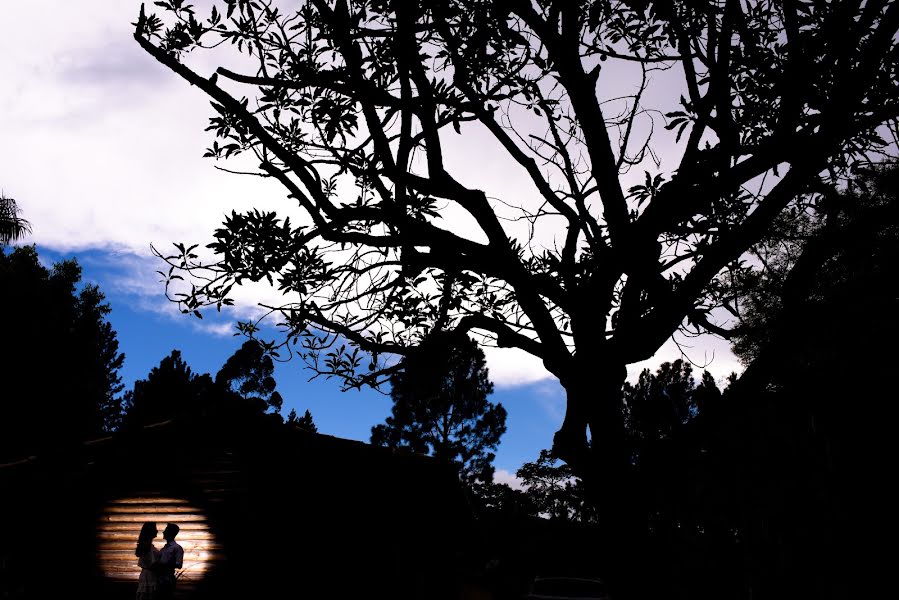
[{"x": 60, "y": 360}]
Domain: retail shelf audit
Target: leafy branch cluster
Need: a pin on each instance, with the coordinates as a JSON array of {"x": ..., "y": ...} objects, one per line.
[{"x": 350, "y": 103}]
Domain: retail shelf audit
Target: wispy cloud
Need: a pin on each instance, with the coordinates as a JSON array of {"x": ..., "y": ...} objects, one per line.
[
  {"x": 134, "y": 281},
  {"x": 113, "y": 63},
  {"x": 551, "y": 397},
  {"x": 215, "y": 329}
]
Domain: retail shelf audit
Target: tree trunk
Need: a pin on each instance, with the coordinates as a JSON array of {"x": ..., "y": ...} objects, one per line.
[{"x": 595, "y": 401}]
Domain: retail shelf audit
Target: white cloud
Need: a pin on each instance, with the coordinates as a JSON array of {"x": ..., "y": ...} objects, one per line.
[
  {"x": 707, "y": 352},
  {"x": 102, "y": 148},
  {"x": 507, "y": 477},
  {"x": 511, "y": 367}
]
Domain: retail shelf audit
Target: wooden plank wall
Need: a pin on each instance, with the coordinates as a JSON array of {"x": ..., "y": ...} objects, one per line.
[{"x": 120, "y": 524}]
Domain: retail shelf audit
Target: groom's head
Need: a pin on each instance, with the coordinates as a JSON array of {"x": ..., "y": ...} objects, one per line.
[{"x": 171, "y": 530}]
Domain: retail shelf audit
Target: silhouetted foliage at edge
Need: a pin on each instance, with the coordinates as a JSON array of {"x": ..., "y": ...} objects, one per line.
[
  {"x": 440, "y": 407},
  {"x": 13, "y": 226},
  {"x": 810, "y": 421},
  {"x": 760, "y": 491},
  {"x": 244, "y": 388},
  {"x": 60, "y": 356},
  {"x": 351, "y": 106}
]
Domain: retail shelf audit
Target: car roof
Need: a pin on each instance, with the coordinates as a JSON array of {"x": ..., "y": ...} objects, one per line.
[{"x": 567, "y": 578}]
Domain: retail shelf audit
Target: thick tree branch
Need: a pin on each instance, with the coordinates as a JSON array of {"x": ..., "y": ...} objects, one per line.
[{"x": 506, "y": 337}]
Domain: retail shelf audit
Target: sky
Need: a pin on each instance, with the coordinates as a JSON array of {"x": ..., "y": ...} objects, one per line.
[{"x": 102, "y": 149}]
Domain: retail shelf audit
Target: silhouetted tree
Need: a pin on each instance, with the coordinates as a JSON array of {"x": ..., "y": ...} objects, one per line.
[
  {"x": 440, "y": 407},
  {"x": 496, "y": 499},
  {"x": 680, "y": 448},
  {"x": 305, "y": 422},
  {"x": 170, "y": 390},
  {"x": 243, "y": 389},
  {"x": 554, "y": 490},
  {"x": 250, "y": 373},
  {"x": 837, "y": 263},
  {"x": 60, "y": 362},
  {"x": 809, "y": 418},
  {"x": 353, "y": 112},
  {"x": 661, "y": 402},
  {"x": 12, "y": 226},
  {"x": 98, "y": 369}
]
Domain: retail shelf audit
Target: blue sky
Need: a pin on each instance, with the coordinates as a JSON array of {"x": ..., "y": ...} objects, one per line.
[
  {"x": 102, "y": 148},
  {"x": 147, "y": 333}
]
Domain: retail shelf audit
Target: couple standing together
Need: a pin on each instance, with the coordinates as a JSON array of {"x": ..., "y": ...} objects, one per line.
[{"x": 157, "y": 574}]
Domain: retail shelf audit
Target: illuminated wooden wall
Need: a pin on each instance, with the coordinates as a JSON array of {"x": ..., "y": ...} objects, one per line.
[
  {"x": 264, "y": 511},
  {"x": 120, "y": 524}
]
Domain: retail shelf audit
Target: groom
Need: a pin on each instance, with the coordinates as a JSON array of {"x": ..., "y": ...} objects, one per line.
[{"x": 170, "y": 558}]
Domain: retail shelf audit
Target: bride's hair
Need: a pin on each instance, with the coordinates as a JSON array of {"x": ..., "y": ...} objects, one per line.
[{"x": 145, "y": 539}]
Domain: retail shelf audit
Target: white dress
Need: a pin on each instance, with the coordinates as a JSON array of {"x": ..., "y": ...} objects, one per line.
[{"x": 147, "y": 583}]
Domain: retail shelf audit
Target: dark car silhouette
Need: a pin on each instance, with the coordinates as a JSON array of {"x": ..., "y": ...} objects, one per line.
[{"x": 567, "y": 588}]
